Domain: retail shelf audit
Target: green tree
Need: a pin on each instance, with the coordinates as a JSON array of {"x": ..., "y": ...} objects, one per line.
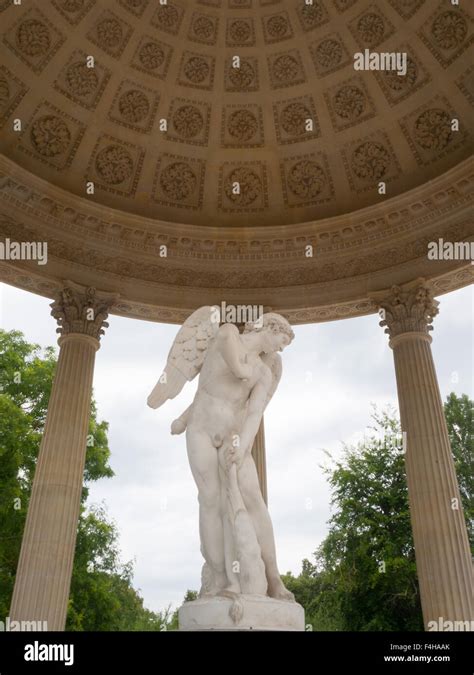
[
  {"x": 188, "y": 597},
  {"x": 102, "y": 596},
  {"x": 460, "y": 421},
  {"x": 364, "y": 576},
  {"x": 366, "y": 565}
]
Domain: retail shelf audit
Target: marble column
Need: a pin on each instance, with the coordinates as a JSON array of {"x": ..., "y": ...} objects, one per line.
[
  {"x": 44, "y": 570},
  {"x": 259, "y": 456},
  {"x": 443, "y": 556}
]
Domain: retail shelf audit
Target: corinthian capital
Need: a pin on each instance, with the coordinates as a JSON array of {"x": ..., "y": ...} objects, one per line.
[
  {"x": 82, "y": 310},
  {"x": 409, "y": 309}
]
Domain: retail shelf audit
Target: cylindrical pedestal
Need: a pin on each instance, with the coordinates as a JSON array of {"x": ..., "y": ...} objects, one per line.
[{"x": 47, "y": 553}]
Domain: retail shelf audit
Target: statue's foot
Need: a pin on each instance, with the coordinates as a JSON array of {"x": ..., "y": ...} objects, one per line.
[
  {"x": 277, "y": 590},
  {"x": 212, "y": 582}
]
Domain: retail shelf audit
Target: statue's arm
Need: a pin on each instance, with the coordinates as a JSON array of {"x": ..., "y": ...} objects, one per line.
[
  {"x": 228, "y": 344},
  {"x": 180, "y": 423},
  {"x": 256, "y": 407}
]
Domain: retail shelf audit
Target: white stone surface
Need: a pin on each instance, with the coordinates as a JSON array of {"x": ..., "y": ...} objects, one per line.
[
  {"x": 238, "y": 375},
  {"x": 257, "y": 613}
]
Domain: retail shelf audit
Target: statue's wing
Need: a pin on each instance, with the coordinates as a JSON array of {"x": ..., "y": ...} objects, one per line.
[
  {"x": 273, "y": 361},
  {"x": 186, "y": 354}
]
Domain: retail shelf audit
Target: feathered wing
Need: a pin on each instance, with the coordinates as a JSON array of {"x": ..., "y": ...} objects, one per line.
[
  {"x": 186, "y": 355},
  {"x": 274, "y": 362}
]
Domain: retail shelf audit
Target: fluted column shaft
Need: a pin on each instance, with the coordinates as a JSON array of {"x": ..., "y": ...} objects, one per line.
[
  {"x": 443, "y": 556},
  {"x": 442, "y": 550},
  {"x": 47, "y": 552},
  {"x": 259, "y": 456},
  {"x": 44, "y": 569}
]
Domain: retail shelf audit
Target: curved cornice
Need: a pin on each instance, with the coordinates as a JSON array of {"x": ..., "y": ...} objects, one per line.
[{"x": 354, "y": 255}]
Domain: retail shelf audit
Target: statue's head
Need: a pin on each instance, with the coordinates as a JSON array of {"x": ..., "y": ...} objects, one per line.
[{"x": 275, "y": 331}]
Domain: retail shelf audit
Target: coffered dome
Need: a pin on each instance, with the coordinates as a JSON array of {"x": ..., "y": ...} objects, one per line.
[
  {"x": 165, "y": 125},
  {"x": 238, "y": 133}
]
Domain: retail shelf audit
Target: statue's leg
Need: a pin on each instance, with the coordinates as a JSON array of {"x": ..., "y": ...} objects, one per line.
[
  {"x": 205, "y": 469},
  {"x": 233, "y": 585},
  {"x": 257, "y": 509}
]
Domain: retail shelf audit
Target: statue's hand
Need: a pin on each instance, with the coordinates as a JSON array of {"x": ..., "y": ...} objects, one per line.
[
  {"x": 178, "y": 426},
  {"x": 233, "y": 455}
]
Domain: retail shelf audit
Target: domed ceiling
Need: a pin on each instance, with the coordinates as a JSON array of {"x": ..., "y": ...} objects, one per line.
[
  {"x": 166, "y": 126},
  {"x": 237, "y": 133}
]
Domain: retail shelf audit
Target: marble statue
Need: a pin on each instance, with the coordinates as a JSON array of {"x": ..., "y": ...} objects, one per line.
[{"x": 238, "y": 375}]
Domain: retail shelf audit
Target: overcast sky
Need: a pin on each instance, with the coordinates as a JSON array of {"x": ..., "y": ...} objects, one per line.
[{"x": 331, "y": 374}]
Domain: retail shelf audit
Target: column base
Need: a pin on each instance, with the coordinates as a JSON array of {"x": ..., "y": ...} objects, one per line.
[{"x": 246, "y": 612}]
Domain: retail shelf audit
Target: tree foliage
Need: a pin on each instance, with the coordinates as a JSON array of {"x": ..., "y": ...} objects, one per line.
[
  {"x": 102, "y": 596},
  {"x": 460, "y": 420},
  {"x": 364, "y": 574}
]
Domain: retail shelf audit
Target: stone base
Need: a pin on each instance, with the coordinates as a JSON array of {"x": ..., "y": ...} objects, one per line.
[{"x": 248, "y": 612}]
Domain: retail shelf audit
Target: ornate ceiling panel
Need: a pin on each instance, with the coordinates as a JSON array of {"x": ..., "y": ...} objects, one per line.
[{"x": 165, "y": 125}]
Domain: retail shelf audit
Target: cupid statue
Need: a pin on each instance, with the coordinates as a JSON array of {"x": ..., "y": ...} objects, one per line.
[{"x": 238, "y": 375}]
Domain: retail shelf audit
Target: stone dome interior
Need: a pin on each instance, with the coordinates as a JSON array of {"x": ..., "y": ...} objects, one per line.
[{"x": 189, "y": 98}]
